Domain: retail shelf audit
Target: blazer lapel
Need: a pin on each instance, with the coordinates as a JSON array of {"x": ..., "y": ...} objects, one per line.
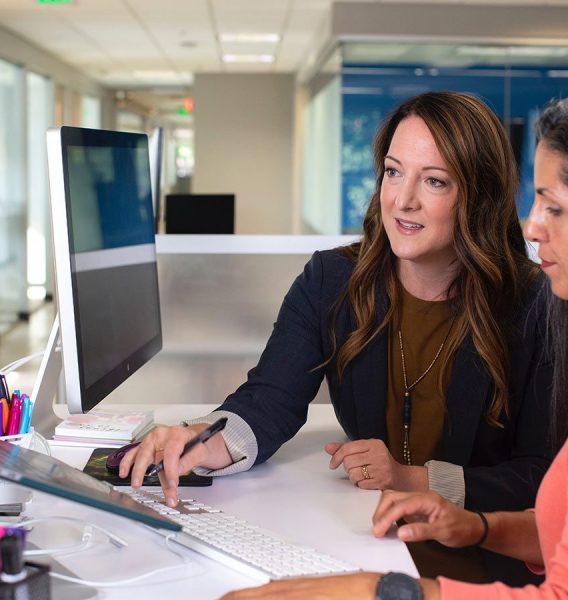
[
  {"x": 467, "y": 394},
  {"x": 369, "y": 380}
]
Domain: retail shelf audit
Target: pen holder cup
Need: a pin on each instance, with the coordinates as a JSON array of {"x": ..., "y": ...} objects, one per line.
[
  {"x": 12, "y": 494},
  {"x": 36, "y": 584}
]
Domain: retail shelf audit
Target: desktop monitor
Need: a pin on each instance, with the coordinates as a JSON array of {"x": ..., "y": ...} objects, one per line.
[
  {"x": 155, "y": 146},
  {"x": 105, "y": 259},
  {"x": 200, "y": 213}
]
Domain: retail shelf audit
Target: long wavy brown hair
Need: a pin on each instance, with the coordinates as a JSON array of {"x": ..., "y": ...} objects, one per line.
[{"x": 494, "y": 270}]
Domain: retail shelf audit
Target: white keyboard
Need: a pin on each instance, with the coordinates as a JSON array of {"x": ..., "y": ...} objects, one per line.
[{"x": 233, "y": 542}]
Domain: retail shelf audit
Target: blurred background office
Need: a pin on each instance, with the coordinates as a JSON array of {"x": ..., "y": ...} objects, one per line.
[{"x": 273, "y": 103}]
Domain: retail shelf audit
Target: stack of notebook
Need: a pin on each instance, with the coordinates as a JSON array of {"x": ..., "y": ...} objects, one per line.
[{"x": 102, "y": 427}]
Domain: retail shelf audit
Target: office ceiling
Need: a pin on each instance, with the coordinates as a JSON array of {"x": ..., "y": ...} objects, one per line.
[
  {"x": 131, "y": 43},
  {"x": 145, "y": 43},
  {"x": 156, "y": 46}
]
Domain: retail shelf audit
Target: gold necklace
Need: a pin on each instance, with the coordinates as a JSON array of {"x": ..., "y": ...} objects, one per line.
[{"x": 406, "y": 407}]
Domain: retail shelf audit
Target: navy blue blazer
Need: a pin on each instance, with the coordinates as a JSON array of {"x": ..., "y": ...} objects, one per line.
[{"x": 503, "y": 467}]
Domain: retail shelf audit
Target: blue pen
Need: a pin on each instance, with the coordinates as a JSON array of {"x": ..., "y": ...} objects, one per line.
[{"x": 26, "y": 414}]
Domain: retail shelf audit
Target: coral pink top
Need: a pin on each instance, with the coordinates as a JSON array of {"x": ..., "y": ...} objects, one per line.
[{"x": 552, "y": 523}]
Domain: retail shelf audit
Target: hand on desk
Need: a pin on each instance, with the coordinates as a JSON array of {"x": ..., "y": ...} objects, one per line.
[
  {"x": 360, "y": 586},
  {"x": 370, "y": 466},
  {"x": 166, "y": 444},
  {"x": 429, "y": 516}
]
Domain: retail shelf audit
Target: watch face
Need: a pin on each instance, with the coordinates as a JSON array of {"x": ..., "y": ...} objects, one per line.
[{"x": 398, "y": 586}]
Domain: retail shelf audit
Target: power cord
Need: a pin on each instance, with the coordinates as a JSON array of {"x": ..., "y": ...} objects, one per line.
[
  {"x": 85, "y": 540},
  {"x": 194, "y": 572},
  {"x": 16, "y": 364},
  {"x": 121, "y": 582}
]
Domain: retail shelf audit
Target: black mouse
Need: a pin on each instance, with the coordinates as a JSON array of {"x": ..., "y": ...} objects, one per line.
[{"x": 114, "y": 458}]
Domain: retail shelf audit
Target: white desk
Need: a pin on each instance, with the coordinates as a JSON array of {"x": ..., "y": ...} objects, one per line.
[{"x": 293, "y": 494}]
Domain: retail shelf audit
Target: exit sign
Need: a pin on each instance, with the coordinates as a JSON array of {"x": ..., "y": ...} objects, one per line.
[{"x": 54, "y": 1}]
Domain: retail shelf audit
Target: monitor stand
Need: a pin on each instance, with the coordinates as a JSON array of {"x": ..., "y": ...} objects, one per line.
[{"x": 47, "y": 384}]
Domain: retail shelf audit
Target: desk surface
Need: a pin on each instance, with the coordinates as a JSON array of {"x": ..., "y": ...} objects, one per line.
[{"x": 294, "y": 494}]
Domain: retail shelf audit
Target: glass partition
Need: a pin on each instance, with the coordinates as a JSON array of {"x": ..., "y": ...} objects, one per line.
[
  {"x": 13, "y": 299},
  {"x": 39, "y": 117},
  {"x": 516, "y": 81}
]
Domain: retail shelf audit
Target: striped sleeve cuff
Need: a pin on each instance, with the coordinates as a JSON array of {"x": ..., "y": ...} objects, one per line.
[
  {"x": 447, "y": 480},
  {"x": 239, "y": 439}
]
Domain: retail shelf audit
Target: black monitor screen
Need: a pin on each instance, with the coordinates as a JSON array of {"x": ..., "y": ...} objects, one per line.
[
  {"x": 112, "y": 259},
  {"x": 200, "y": 213}
]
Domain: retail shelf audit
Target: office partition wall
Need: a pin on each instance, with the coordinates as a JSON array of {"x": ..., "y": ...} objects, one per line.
[
  {"x": 516, "y": 81},
  {"x": 369, "y": 79},
  {"x": 12, "y": 194}
]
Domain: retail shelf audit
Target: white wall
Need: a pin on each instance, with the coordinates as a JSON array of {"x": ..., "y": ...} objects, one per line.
[
  {"x": 244, "y": 127},
  {"x": 21, "y": 52},
  {"x": 452, "y": 21},
  {"x": 321, "y": 206}
]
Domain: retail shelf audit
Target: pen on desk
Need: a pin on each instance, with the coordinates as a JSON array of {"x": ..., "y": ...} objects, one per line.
[
  {"x": 15, "y": 417},
  {"x": 4, "y": 412},
  {"x": 26, "y": 414},
  {"x": 15, "y": 396},
  {"x": 200, "y": 438}
]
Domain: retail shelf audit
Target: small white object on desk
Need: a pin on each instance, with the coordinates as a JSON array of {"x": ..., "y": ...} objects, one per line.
[{"x": 105, "y": 427}]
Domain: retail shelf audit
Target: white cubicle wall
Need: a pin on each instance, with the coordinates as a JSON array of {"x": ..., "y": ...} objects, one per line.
[{"x": 220, "y": 296}]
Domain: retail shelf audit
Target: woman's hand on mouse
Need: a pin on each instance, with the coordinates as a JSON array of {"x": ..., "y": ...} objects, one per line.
[{"x": 166, "y": 444}]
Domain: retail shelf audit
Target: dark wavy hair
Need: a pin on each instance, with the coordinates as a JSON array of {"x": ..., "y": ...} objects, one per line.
[
  {"x": 494, "y": 269},
  {"x": 552, "y": 132}
]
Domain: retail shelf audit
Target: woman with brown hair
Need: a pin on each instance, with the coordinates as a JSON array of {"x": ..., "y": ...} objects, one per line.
[
  {"x": 427, "y": 332},
  {"x": 541, "y": 537}
]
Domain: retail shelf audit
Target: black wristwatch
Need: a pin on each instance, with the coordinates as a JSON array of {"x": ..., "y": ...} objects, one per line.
[{"x": 398, "y": 586}]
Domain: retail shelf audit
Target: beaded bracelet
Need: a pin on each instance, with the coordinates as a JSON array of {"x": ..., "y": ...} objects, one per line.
[{"x": 485, "y": 528}]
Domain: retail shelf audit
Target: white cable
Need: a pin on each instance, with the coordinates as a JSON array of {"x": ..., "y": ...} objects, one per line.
[
  {"x": 15, "y": 364},
  {"x": 27, "y": 440},
  {"x": 105, "y": 584},
  {"x": 84, "y": 544},
  {"x": 113, "y": 538},
  {"x": 170, "y": 541},
  {"x": 37, "y": 437},
  {"x": 57, "y": 551}
]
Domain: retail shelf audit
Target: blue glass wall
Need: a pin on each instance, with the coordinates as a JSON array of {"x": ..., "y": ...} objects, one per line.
[{"x": 369, "y": 93}]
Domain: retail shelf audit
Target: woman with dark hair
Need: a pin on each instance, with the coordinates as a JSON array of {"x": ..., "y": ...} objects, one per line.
[
  {"x": 427, "y": 332},
  {"x": 541, "y": 537}
]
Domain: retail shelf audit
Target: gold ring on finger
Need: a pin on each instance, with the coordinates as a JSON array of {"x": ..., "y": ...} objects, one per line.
[{"x": 365, "y": 471}]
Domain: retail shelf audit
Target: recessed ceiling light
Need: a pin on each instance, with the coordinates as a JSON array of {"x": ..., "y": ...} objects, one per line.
[
  {"x": 538, "y": 50},
  {"x": 529, "y": 51},
  {"x": 482, "y": 50},
  {"x": 251, "y": 38},
  {"x": 163, "y": 75},
  {"x": 248, "y": 58}
]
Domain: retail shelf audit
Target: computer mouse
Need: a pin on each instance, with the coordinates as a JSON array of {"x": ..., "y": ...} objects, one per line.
[{"x": 114, "y": 458}]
